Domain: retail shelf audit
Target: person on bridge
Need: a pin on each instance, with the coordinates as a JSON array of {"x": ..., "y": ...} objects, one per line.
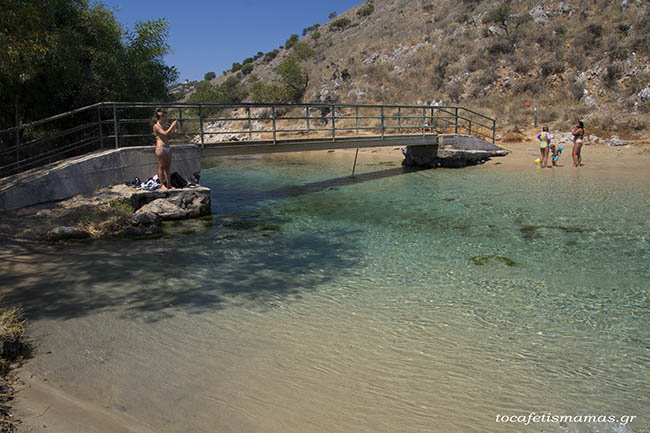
[{"x": 163, "y": 148}]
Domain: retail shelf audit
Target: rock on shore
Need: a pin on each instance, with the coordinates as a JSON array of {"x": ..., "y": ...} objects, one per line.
[{"x": 112, "y": 212}]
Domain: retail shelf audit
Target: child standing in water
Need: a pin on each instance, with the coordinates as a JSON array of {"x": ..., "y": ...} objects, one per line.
[{"x": 544, "y": 142}]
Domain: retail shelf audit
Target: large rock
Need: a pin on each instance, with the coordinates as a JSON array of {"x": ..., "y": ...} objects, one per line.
[{"x": 183, "y": 204}]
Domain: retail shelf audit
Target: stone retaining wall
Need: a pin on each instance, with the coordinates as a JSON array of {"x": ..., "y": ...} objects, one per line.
[{"x": 87, "y": 173}]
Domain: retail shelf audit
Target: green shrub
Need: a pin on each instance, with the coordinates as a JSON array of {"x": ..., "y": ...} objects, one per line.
[
  {"x": 308, "y": 30},
  {"x": 315, "y": 35},
  {"x": 247, "y": 68},
  {"x": 270, "y": 56},
  {"x": 531, "y": 87},
  {"x": 577, "y": 90},
  {"x": 550, "y": 67},
  {"x": 235, "y": 67},
  {"x": 590, "y": 38},
  {"x": 340, "y": 24},
  {"x": 454, "y": 91},
  {"x": 637, "y": 123},
  {"x": 291, "y": 41},
  {"x": 476, "y": 62},
  {"x": 209, "y": 76},
  {"x": 303, "y": 51},
  {"x": 612, "y": 73},
  {"x": 464, "y": 18},
  {"x": 366, "y": 10},
  {"x": 500, "y": 46},
  {"x": 520, "y": 64},
  {"x": 293, "y": 77},
  {"x": 487, "y": 77},
  {"x": 247, "y": 61}
]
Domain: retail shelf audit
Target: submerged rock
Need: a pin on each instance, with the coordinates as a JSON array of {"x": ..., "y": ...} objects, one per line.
[
  {"x": 62, "y": 233},
  {"x": 491, "y": 258}
]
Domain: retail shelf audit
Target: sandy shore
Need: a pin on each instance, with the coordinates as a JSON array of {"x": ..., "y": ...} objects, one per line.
[
  {"x": 44, "y": 408},
  {"x": 610, "y": 160}
]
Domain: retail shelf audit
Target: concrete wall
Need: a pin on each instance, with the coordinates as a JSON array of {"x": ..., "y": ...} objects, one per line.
[{"x": 85, "y": 174}]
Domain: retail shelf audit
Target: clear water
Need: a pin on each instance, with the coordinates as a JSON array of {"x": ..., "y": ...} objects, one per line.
[{"x": 314, "y": 303}]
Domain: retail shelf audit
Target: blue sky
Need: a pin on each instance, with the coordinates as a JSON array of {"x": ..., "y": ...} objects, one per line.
[{"x": 208, "y": 36}]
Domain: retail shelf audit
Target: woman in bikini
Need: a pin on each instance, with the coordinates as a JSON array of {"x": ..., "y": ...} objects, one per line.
[
  {"x": 578, "y": 137},
  {"x": 544, "y": 144},
  {"x": 163, "y": 149}
]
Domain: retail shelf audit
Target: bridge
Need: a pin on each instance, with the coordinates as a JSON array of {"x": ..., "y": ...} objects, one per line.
[{"x": 236, "y": 129}]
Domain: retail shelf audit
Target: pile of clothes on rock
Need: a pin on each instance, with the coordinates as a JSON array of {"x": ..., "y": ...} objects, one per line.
[{"x": 153, "y": 183}]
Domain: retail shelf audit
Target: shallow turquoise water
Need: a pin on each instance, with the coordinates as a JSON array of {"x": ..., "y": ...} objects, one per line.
[{"x": 317, "y": 303}]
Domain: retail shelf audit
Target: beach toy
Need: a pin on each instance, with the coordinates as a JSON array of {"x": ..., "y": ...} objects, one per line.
[
  {"x": 559, "y": 149},
  {"x": 555, "y": 158},
  {"x": 537, "y": 161}
]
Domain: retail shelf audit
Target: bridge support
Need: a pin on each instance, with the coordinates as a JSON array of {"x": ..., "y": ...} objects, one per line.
[{"x": 452, "y": 151}]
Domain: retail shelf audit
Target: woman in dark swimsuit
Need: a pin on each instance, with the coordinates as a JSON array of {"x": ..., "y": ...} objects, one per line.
[{"x": 578, "y": 137}]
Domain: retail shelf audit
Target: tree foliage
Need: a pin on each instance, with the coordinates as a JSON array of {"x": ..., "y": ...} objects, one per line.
[
  {"x": 62, "y": 54},
  {"x": 504, "y": 16},
  {"x": 294, "y": 78}
]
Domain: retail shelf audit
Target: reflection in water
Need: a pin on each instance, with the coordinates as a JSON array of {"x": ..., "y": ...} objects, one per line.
[{"x": 319, "y": 303}]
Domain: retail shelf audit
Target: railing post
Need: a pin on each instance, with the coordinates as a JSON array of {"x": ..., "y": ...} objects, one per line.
[
  {"x": 399, "y": 120},
  {"x": 17, "y": 136},
  {"x": 494, "y": 130},
  {"x": 180, "y": 121},
  {"x": 273, "y": 116},
  {"x": 433, "y": 121},
  {"x": 357, "y": 110},
  {"x": 424, "y": 121},
  {"x": 116, "y": 126},
  {"x": 333, "y": 123},
  {"x": 456, "y": 121},
  {"x": 470, "y": 127},
  {"x": 99, "y": 122},
  {"x": 250, "y": 125},
  {"x": 201, "y": 125},
  {"x": 382, "y": 122},
  {"x": 308, "y": 119}
]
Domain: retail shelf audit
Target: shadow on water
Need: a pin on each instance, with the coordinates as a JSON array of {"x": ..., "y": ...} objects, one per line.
[
  {"x": 154, "y": 279},
  {"x": 243, "y": 198},
  {"x": 244, "y": 260}
]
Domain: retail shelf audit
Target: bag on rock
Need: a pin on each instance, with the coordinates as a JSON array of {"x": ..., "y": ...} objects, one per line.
[{"x": 177, "y": 180}]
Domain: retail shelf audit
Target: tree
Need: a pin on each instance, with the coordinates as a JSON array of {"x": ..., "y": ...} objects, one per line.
[
  {"x": 293, "y": 77},
  {"x": 63, "y": 54},
  {"x": 209, "y": 76},
  {"x": 291, "y": 41},
  {"x": 504, "y": 16},
  {"x": 146, "y": 74}
]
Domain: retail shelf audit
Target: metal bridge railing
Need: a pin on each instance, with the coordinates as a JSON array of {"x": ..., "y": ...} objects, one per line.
[{"x": 122, "y": 124}]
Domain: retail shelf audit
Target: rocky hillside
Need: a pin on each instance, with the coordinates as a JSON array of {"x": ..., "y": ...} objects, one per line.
[{"x": 572, "y": 59}]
